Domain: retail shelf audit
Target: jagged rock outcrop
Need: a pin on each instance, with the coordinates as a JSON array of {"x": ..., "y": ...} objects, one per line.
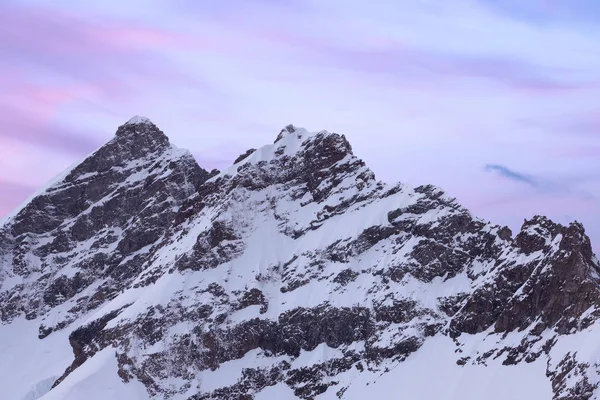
[{"x": 293, "y": 269}]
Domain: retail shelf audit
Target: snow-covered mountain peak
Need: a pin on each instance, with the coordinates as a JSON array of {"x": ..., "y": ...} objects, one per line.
[
  {"x": 542, "y": 234},
  {"x": 296, "y": 150},
  {"x": 292, "y": 274},
  {"x": 102, "y": 194},
  {"x": 288, "y": 130},
  {"x": 139, "y": 137}
]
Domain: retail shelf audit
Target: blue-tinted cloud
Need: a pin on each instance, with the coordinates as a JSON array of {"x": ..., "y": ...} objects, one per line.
[
  {"x": 566, "y": 185},
  {"x": 512, "y": 175}
]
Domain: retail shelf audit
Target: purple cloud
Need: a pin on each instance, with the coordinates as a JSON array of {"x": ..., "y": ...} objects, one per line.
[
  {"x": 113, "y": 56},
  {"x": 51, "y": 135},
  {"x": 387, "y": 60},
  {"x": 82, "y": 48},
  {"x": 27, "y": 114},
  {"x": 64, "y": 58},
  {"x": 408, "y": 65}
]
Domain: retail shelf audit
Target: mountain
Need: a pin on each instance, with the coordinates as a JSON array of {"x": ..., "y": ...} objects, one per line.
[{"x": 294, "y": 273}]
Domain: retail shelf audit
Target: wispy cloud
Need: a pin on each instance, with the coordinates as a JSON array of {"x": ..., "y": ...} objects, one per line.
[
  {"x": 403, "y": 61},
  {"x": 505, "y": 172},
  {"x": 565, "y": 185}
]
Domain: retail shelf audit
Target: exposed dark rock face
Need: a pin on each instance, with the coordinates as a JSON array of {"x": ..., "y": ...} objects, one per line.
[
  {"x": 244, "y": 155},
  {"x": 569, "y": 368},
  {"x": 554, "y": 289},
  {"x": 295, "y": 252},
  {"x": 83, "y": 341}
]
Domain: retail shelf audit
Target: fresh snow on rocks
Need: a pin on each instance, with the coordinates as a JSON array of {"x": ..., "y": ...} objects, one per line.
[{"x": 138, "y": 119}]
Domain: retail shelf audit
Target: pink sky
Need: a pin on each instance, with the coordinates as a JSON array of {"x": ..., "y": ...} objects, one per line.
[{"x": 425, "y": 90}]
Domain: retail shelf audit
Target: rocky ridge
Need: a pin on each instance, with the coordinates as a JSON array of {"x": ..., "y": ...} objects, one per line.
[{"x": 293, "y": 269}]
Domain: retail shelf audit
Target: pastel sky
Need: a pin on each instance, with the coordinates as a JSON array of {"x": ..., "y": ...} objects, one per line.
[{"x": 496, "y": 101}]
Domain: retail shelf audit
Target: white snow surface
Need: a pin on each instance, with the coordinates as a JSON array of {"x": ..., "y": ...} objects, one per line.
[
  {"x": 430, "y": 373},
  {"x": 96, "y": 380},
  {"x": 138, "y": 119}
]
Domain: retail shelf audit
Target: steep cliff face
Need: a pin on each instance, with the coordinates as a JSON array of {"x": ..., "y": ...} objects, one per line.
[{"x": 292, "y": 274}]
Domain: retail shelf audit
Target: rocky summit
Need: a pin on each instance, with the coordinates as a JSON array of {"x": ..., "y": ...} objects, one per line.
[{"x": 293, "y": 274}]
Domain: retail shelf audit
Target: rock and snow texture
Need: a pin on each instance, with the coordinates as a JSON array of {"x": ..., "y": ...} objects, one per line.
[{"x": 292, "y": 274}]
